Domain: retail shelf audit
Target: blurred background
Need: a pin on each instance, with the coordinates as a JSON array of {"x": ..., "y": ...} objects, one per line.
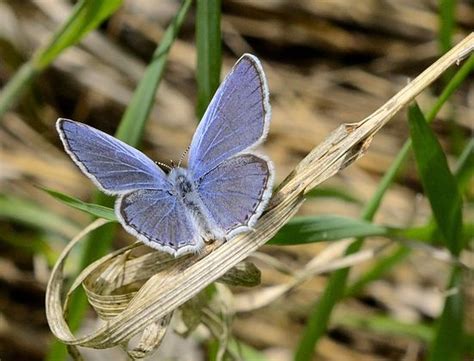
[{"x": 328, "y": 62}]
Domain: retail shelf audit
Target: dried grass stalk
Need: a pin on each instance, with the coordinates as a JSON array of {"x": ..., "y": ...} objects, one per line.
[{"x": 134, "y": 294}]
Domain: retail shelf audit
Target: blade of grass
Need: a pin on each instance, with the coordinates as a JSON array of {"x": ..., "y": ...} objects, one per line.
[
  {"x": 447, "y": 343},
  {"x": 130, "y": 131},
  {"x": 443, "y": 194},
  {"x": 208, "y": 42},
  {"x": 465, "y": 167},
  {"x": 446, "y": 31},
  {"x": 131, "y": 127},
  {"x": 320, "y": 315},
  {"x": 447, "y": 12},
  {"x": 380, "y": 268},
  {"x": 438, "y": 182},
  {"x": 31, "y": 242},
  {"x": 311, "y": 229},
  {"x": 463, "y": 173},
  {"x": 381, "y": 324},
  {"x": 33, "y": 215},
  {"x": 86, "y": 16},
  {"x": 95, "y": 210},
  {"x": 243, "y": 351},
  {"x": 333, "y": 192}
]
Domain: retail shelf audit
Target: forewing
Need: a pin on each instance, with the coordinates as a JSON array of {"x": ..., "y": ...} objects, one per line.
[
  {"x": 237, "y": 191},
  {"x": 159, "y": 220},
  {"x": 237, "y": 118},
  {"x": 114, "y": 166}
]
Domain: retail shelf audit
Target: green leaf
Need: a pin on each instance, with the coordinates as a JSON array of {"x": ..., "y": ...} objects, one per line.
[
  {"x": 33, "y": 215},
  {"x": 448, "y": 342},
  {"x": 438, "y": 182},
  {"x": 244, "y": 274},
  {"x": 447, "y": 19},
  {"x": 464, "y": 171},
  {"x": 208, "y": 42},
  {"x": 384, "y": 325},
  {"x": 332, "y": 192},
  {"x": 243, "y": 351},
  {"x": 465, "y": 166},
  {"x": 380, "y": 268},
  {"x": 133, "y": 121},
  {"x": 311, "y": 229},
  {"x": 86, "y": 16},
  {"x": 91, "y": 208},
  {"x": 320, "y": 315},
  {"x": 32, "y": 243}
]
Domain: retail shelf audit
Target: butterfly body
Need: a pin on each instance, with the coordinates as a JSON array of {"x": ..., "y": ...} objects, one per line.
[
  {"x": 186, "y": 191},
  {"x": 223, "y": 191}
]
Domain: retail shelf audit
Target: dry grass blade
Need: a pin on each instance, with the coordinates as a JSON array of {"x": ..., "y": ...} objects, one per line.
[
  {"x": 329, "y": 261},
  {"x": 54, "y": 308},
  {"x": 159, "y": 294},
  {"x": 151, "y": 338}
]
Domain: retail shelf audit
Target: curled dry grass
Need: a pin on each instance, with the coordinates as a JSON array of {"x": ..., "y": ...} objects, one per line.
[{"x": 136, "y": 294}]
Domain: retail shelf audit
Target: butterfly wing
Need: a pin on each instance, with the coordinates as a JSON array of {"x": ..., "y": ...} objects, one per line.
[
  {"x": 158, "y": 219},
  {"x": 237, "y": 118},
  {"x": 237, "y": 191},
  {"x": 115, "y": 167}
]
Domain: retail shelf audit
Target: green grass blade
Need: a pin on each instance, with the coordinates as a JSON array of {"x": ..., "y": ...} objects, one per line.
[
  {"x": 333, "y": 192},
  {"x": 446, "y": 203},
  {"x": 465, "y": 167},
  {"x": 447, "y": 13},
  {"x": 384, "y": 325},
  {"x": 133, "y": 122},
  {"x": 320, "y": 315},
  {"x": 463, "y": 173},
  {"x": 311, "y": 229},
  {"x": 208, "y": 42},
  {"x": 95, "y": 210},
  {"x": 130, "y": 131},
  {"x": 33, "y": 215},
  {"x": 438, "y": 182},
  {"x": 451, "y": 87},
  {"x": 381, "y": 324},
  {"x": 242, "y": 351},
  {"x": 13, "y": 90},
  {"x": 448, "y": 342},
  {"x": 32, "y": 243},
  {"x": 86, "y": 16},
  {"x": 380, "y": 268}
]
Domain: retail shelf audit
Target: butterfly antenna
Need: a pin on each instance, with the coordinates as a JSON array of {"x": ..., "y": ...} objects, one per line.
[
  {"x": 164, "y": 165},
  {"x": 183, "y": 155}
]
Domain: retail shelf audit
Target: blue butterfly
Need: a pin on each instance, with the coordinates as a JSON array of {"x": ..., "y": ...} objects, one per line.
[{"x": 222, "y": 193}]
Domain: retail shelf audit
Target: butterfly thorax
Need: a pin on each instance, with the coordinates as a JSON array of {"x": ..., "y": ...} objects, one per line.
[
  {"x": 183, "y": 184},
  {"x": 186, "y": 191}
]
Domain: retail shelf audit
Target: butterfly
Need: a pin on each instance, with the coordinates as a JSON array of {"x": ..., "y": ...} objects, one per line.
[{"x": 223, "y": 191}]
